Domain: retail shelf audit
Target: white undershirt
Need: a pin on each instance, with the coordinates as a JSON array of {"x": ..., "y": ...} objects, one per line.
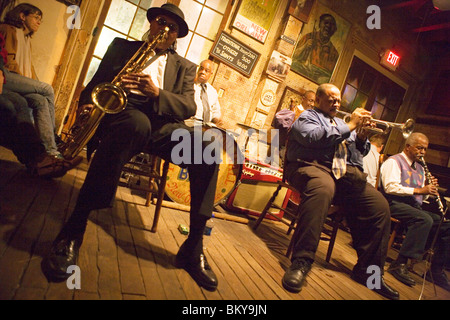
[
  {"x": 23, "y": 54},
  {"x": 156, "y": 71}
]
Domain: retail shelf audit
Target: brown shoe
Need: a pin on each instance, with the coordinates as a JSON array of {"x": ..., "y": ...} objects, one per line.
[
  {"x": 49, "y": 167},
  {"x": 70, "y": 164}
]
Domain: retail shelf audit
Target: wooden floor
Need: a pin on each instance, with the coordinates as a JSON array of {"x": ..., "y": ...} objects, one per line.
[{"x": 121, "y": 259}]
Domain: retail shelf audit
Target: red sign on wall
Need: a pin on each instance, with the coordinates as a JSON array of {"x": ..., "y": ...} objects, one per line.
[{"x": 390, "y": 60}]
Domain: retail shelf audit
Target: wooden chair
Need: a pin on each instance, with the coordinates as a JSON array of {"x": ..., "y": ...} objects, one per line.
[
  {"x": 333, "y": 220},
  {"x": 147, "y": 165}
]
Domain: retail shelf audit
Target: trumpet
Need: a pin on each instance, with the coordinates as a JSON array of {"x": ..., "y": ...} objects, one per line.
[{"x": 384, "y": 126}]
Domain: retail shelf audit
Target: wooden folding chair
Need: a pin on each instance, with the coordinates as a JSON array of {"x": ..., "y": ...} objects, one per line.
[{"x": 147, "y": 165}]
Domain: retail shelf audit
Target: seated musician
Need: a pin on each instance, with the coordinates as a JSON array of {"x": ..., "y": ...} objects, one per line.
[
  {"x": 371, "y": 161},
  {"x": 206, "y": 98},
  {"x": 166, "y": 98},
  {"x": 405, "y": 186},
  {"x": 312, "y": 167}
]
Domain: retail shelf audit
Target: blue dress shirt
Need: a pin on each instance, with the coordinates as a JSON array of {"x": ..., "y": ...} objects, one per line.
[{"x": 313, "y": 136}]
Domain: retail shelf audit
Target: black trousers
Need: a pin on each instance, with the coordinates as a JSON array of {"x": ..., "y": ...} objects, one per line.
[
  {"x": 366, "y": 209},
  {"x": 124, "y": 135},
  {"x": 421, "y": 227}
]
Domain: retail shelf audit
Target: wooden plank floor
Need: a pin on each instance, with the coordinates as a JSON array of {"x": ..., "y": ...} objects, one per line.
[{"x": 121, "y": 259}]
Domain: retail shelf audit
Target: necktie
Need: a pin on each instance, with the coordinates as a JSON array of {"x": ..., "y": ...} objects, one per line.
[
  {"x": 339, "y": 166},
  {"x": 340, "y": 160},
  {"x": 204, "y": 96}
]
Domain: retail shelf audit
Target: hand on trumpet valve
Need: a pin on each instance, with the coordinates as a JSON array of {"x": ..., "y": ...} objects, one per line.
[
  {"x": 360, "y": 121},
  {"x": 358, "y": 117}
]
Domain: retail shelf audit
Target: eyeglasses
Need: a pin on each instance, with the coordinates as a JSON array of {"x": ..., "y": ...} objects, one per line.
[
  {"x": 37, "y": 17},
  {"x": 173, "y": 27}
]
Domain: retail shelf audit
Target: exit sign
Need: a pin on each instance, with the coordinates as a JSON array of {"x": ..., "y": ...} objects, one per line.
[{"x": 390, "y": 60}]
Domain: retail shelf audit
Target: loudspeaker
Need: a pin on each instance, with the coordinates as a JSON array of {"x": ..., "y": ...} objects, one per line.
[
  {"x": 255, "y": 188},
  {"x": 251, "y": 197}
]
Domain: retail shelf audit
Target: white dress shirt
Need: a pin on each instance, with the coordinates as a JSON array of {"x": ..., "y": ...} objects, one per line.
[
  {"x": 213, "y": 100},
  {"x": 391, "y": 178},
  {"x": 370, "y": 165},
  {"x": 156, "y": 71}
]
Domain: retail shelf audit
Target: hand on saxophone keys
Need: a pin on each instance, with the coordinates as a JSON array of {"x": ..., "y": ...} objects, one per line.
[{"x": 141, "y": 82}]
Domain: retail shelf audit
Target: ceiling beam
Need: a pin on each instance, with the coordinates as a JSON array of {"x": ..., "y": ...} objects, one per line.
[
  {"x": 432, "y": 27},
  {"x": 416, "y": 4}
]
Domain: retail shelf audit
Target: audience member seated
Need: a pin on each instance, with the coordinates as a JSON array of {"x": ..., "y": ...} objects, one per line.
[
  {"x": 18, "y": 132},
  {"x": 19, "y": 25}
]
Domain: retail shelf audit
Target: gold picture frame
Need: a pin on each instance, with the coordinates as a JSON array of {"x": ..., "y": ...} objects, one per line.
[
  {"x": 290, "y": 98},
  {"x": 320, "y": 45}
]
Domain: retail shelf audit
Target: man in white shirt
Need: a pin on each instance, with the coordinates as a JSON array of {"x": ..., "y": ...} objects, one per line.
[
  {"x": 403, "y": 182},
  {"x": 208, "y": 108},
  {"x": 372, "y": 160}
]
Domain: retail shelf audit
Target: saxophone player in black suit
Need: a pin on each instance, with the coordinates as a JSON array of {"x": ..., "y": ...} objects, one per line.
[{"x": 159, "y": 99}]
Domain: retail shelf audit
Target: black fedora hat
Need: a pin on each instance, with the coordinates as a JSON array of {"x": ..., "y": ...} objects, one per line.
[{"x": 172, "y": 11}]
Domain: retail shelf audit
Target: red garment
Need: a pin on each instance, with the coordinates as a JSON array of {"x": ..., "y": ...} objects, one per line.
[{"x": 3, "y": 52}]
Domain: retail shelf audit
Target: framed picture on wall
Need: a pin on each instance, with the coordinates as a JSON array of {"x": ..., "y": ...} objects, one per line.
[
  {"x": 290, "y": 99},
  {"x": 254, "y": 17},
  {"x": 301, "y": 9},
  {"x": 279, "y": 66},
  {"x": 320, "y": 43}
]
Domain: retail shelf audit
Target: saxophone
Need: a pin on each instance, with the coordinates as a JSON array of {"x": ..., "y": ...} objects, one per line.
[
  {"x": 109, "y": 98},
  {"x": 430, "y": 181}
]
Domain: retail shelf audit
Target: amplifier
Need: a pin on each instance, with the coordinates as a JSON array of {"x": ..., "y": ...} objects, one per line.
[{"x": 255, "y": 188}]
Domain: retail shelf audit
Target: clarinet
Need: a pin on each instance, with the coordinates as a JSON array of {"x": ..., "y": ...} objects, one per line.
[{"x": 430, "y": 181}]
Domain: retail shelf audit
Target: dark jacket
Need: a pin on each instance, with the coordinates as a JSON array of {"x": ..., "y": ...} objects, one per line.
[{"x": 176, "y": 100}]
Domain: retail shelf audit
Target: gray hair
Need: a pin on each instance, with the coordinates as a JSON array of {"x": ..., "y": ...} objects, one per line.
[{"x": 414, "y": 137}]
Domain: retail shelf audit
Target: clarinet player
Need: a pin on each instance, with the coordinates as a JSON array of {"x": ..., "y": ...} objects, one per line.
[{"x": 405, "y": 186}]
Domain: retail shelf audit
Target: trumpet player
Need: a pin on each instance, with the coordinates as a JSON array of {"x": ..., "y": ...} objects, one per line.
[
  {"x": 404, "y": 185},
  {"x": 160, "y": 98},
  {"x": 317, "y": 167}
]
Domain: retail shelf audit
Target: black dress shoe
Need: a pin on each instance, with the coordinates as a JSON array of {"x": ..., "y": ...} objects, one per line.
[
  {"x": 199, "y": 269},
  {"x": 64, "y": 253},
  {"x": 384, "y": 289},
  {"x": 295, "y": 275},
  {"x": 400, "y": 272}
]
